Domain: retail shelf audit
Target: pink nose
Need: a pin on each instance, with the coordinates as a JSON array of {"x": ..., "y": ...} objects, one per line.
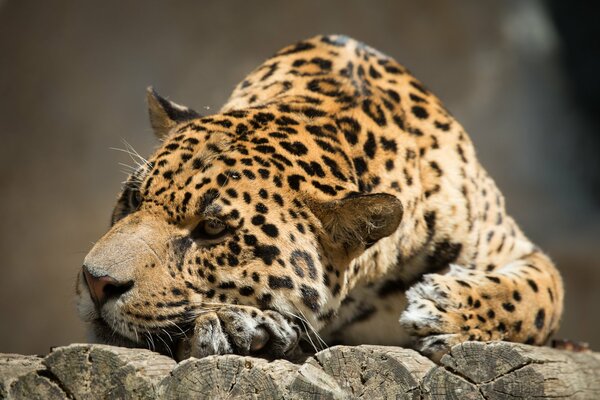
[{"x": 104, "y": 288}]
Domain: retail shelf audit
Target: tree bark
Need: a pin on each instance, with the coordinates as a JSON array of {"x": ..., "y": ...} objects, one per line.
[{"x": 472, "y": 370}]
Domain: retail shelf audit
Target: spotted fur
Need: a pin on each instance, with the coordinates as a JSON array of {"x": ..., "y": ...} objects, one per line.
[{"x": 352, "y": 204}]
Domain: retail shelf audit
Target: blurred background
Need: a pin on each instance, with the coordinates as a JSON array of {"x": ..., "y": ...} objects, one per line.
[{"x": 520, "y": 75}]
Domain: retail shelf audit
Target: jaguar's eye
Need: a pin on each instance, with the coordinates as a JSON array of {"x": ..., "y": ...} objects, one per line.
[{"x": 209, "y": 230}]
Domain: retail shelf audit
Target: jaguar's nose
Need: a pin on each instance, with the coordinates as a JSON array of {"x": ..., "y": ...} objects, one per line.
[{"x": 104, "y": 287}]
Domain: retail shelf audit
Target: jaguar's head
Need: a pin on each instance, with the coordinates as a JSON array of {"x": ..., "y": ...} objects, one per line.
[{"x": 218, "y": 216}]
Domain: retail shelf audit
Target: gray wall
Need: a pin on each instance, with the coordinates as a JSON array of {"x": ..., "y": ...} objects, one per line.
[{"x": 72, "y": 81}]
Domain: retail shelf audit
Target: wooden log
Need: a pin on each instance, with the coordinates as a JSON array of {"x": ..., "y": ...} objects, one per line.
[
  {"x": 362, "y": 371},
  {"x": 25, "y": 377},
  {"x": 472, "y": 370},
  {"x": 501, "y": 370},
  {"x": 229, "y": 376}
]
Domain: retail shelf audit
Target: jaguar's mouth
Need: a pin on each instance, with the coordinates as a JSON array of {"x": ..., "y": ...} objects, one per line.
[{"x": 165, "y": 342}]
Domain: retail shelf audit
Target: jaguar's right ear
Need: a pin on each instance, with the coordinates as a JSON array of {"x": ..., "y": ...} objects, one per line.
[
  {"x": 165, "y": 114},
  {"x": 356, "y": 222}
]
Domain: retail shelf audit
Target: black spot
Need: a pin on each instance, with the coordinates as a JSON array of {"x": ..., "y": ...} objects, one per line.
[
  {"x": 388, "y": 145},
  {"x": 295, "y": 148},
  {"x": 442, "y": 126},
  {"x": 360, "y": 165},
  {"x": 493, "y": 279},
  {"x": 227, "y": 285},
  {"x": 278, "y": 199},
  {"x": 436, "y": 168},
  {"x": 266, "y": 253},
  {"x": 258, "y": 219},
  {"x": 326, "y": 146},
  {"x": 263, "y": 118},
  {"x": 540, "y": 318},
  {"x": 430, "y": 222},
  {"x": 264, "y": 301},
  {"x": 278, "y": 282},
  {"x": 297, "y": 48},
  {"x": 420, "y": 112},
  {"x": 264, "y": 173},
  {"x": 294, "y": 181},
  {"x": 250, "y": 240},
  {"x": 370, "y": 146},
  {"x": 510, "y": 307},
  {"x": 246, "y": 290},
  {"x": 285, "y": 121},
  {"x": 310, "y": 297},
  {"x": 221, "y": 180},
  {"x": 249, "y": 174},
  {"x": 533, "y": 285},
  {"x": 311, "y": 112},
  {"x": 234, "y": 247},
  {"x": 517, "y": 295},
  {"x": 265, "y": 149},
  {"x": 324, "y": 188},
  {"x": 270, "y": 229}
]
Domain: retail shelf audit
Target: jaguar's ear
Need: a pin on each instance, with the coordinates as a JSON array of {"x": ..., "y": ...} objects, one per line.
[
  {"x": 165, "y": 114},
  {"x": 359, "y": 220}
]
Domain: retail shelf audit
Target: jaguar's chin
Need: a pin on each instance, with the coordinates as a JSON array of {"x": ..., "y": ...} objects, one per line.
[{"x": 165, "y": 343}]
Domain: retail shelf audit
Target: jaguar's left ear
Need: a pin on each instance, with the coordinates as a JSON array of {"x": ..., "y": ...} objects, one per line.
[
  {"x": 165, "y": 114},
  {"x": 358, "y": 221}
]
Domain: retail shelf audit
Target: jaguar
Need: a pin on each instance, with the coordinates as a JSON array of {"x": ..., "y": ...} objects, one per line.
[{"x": 332, "y": 200}]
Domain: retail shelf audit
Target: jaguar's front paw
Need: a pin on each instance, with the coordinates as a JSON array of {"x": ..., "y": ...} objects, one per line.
[
  {"x": 240, "y": 330},
  {"x": 444, "y": 310}
]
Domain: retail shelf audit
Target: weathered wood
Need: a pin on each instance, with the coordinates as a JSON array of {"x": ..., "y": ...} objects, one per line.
[
  {"x": 368, "y": 372},
  {"x": 504, "y": 370},
  {"x": 25, "y": 377},
  {"x": 472, "y": 370}
]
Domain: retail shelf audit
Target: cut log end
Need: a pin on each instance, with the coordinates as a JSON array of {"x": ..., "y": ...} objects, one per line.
[{"x": 471, "y": 370}]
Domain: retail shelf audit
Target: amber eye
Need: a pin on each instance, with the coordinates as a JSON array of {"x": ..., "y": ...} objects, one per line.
[{"x": 209, "y": 230}]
